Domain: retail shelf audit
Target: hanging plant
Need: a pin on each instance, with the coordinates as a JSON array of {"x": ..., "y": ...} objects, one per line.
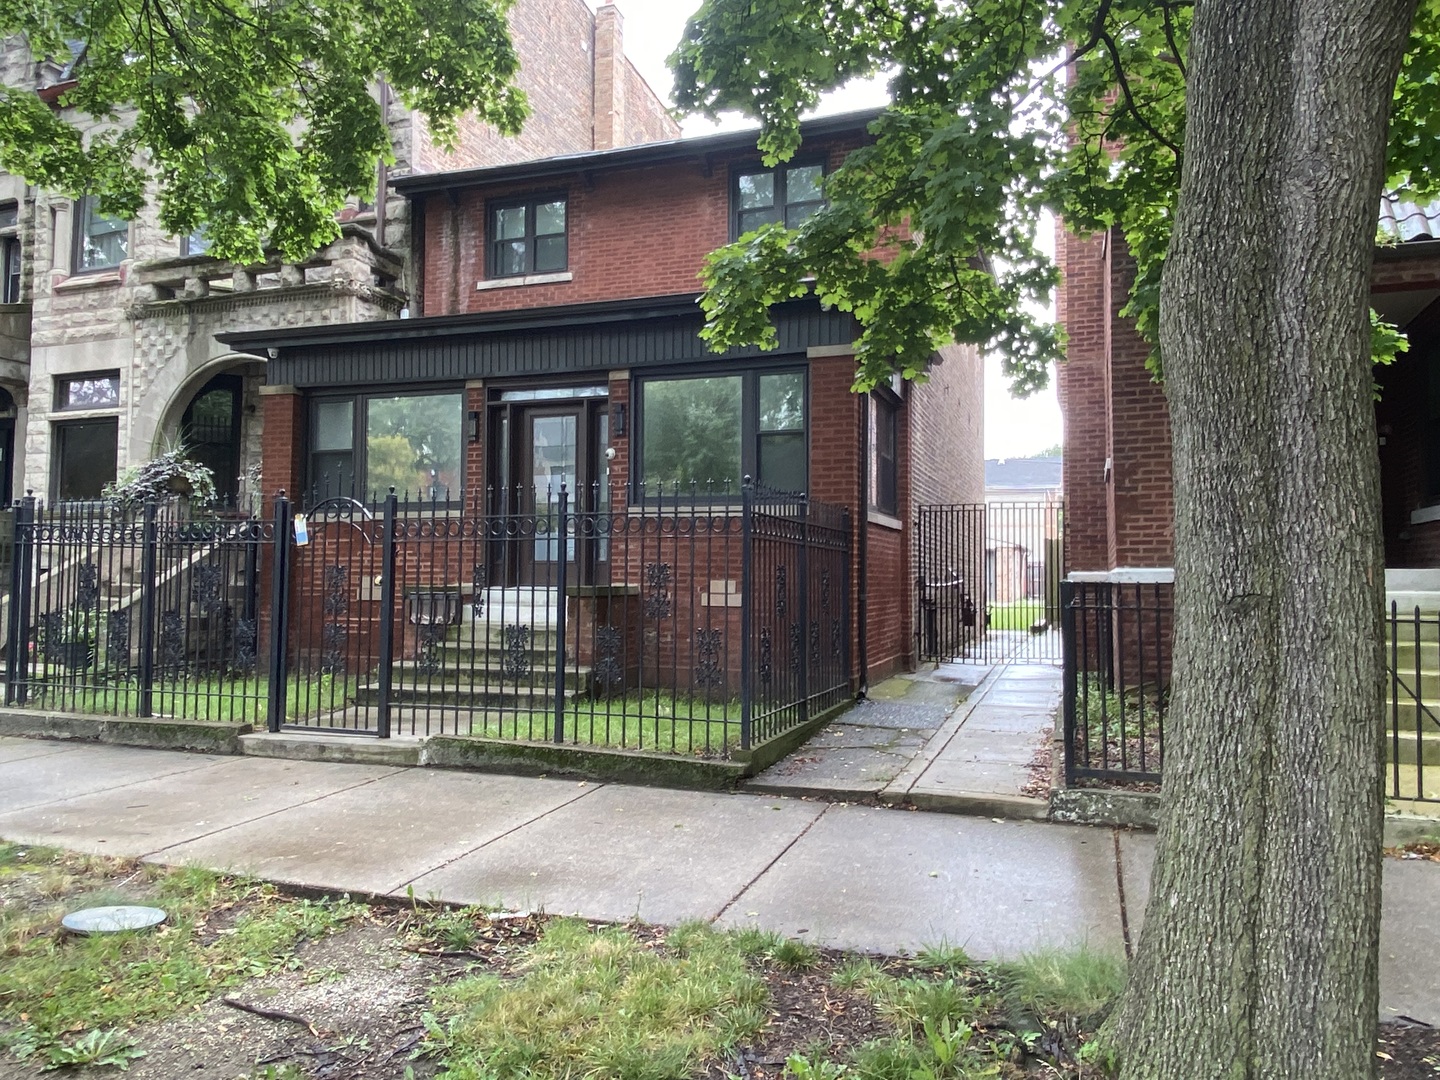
[{"x": 173, "y": 472}]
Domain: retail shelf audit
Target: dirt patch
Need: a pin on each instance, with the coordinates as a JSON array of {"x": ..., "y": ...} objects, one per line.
[{"x": 1408, "y": 1051}]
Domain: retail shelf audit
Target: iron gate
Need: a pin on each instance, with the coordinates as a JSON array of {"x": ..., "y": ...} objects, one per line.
[{"x": 988, "y": 581}]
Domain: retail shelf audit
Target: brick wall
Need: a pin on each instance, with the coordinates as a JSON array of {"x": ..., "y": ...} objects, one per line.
[
  {"x": 633, "y": 233},
  {"x": 647, "y": 119},
  {"x": 947, "y": 420},
  {"x": 1081, "y": 386}
]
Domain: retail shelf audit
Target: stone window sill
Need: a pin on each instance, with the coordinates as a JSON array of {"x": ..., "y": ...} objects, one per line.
[
  {"x": 884, "y": 520},
  {"x": 529, "y": 279},
  {"x": 85, "y": 414},
  {"x": 86, "y": 281},
  {"x": 1425, "y": 514}
]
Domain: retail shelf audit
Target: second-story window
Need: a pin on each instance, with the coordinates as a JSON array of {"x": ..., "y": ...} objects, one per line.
[
  {"x": 789, "y": 195},
  {"x": 101, "y": 241},
  {"x": 528, "y": 237},
  {"x": 9, "y": 254}
]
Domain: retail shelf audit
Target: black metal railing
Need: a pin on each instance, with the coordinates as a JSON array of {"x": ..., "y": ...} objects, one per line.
[
  {"x": 1117, "y": 648},
  {"x": 1412, "y": 737},
  {"x": 137, "y": 610},
  {"x": 686, "y": 624},
  {"x": 988, "y": 581}
]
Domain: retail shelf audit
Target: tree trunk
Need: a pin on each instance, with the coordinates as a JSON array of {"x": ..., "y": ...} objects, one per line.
[{"x": 1259, "y": 955}]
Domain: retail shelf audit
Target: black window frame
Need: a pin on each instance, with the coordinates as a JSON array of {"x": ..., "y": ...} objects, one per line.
[
  {"x": 883, "y": 483},
  {"x": 750, "y": 432},
  {"x": 359, "y": 413},
  {"x": 781, "y": 177},
  {"x": 80, "y": 213},
  {"x": 58, "y": 403},
  {"x": 11, "y": 280},
  {"x": 529, "y": 203},
  {"x": 59, "y": 432}
]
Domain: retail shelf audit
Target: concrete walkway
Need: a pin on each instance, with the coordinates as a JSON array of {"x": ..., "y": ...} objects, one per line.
[
  {"x": 957, "y": 737},
  {"x": 858, "y": 877}
]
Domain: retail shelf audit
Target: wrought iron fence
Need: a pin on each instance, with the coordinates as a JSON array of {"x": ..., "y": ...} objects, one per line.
[
  {"x": 137, "y": 610},
  {"x": 1412, "y": 742},
  {"x": 686, "y": 623},
  {"x": 1117, "y": 646},
  {"x": 988, "y": 581}
]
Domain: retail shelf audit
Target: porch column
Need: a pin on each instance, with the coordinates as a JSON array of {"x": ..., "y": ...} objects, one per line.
[{"x": 282, "y": 446}]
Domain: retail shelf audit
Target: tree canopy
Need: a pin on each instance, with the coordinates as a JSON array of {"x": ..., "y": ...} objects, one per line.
[
  {"x": 254, "y": 119},
  {"x": 985, "y": 131}
]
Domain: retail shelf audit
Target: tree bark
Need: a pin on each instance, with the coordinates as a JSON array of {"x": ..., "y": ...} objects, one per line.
[{"x": 1259, "y": 954}]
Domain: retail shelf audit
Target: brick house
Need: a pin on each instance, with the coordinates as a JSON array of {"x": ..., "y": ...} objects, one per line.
[
  {"x": 109, "y": 330},
  {"x": 1117, "y": 476},
  {"x": 553, "y": 339}
]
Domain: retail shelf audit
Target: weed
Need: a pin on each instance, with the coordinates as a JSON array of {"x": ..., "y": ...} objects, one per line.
[
  {"x": 95, "y": 1047},
  {"x": 803, "y": 1068},
  {"x": 752, "y": 941},
  {"x": 794, "y": 955},
  {"x": 951, "y": 959},
  {"x": 858, "y": 973},
  {"x": 885, "y": 1059},
  {"x": 1081, "y": 982},
  {"x": 597, "y": 1002},
  {"x": 915, "y": 1002}
]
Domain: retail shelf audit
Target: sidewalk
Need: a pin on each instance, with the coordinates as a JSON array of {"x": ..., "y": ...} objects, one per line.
[
  {"x": 958, "y": 737},
  {"x": 857, "y": 877}
]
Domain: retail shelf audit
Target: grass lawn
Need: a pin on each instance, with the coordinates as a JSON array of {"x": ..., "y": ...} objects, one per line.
[
  {"x": 240, "y": 700},
  {"x": 1017, "y": 615},
  {"x": 679, "y": 724}
]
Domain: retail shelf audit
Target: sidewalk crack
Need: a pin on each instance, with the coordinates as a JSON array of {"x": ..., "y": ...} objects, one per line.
[{"x": 766, "y": 868}]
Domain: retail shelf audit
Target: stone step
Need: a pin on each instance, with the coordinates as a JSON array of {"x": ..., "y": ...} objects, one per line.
[
  {"x": 488, "y": 670},
  {"x": 1425, "y": 749},
  {"x": 1407, "y": 711},
  {"x": 497, "y": 697}
]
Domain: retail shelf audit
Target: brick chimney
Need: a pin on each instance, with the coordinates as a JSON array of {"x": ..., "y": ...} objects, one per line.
[{"x": 609, "y": 120}]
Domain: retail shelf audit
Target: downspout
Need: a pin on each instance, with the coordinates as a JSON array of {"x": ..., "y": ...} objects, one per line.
[{"x": 862, "y": 576}]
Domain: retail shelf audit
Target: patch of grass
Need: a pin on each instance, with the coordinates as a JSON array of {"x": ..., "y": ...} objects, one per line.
[
  {"x": 597, "y": 1002},
  {"x": 57, "y": 986},
  {"x": 858, "y": 973},
  {"x": 914, "y": 1002},
  {"x": 1017, "y": 615},
  {"x": 190, "y": 696},
  {"x": 795, "y": 955},
  {"x": 942, "y": 957},
  {"x": 1082, "y": 983},
  {"x": 660, "y": 720}
]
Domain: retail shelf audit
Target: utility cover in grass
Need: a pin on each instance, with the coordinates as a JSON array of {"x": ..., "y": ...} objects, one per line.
[{"x": 113, "y": 919}]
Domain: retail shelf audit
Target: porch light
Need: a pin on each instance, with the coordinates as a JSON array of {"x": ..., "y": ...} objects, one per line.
[
  {"x": 617, "y": 419},
  {"x": 472, "y": 426}
]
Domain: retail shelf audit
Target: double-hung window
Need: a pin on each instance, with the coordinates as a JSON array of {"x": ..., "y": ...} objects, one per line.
[
  {"x": 788, "y": 195},
  {"x": 703, "y": 434},
  {"x": 10, "y": 254},
  {"x": 85, "y": 446},
  {"x": 528, "y": 237},
  {"x": 362, "y": 445},
  {"x": 101, "y": 242},
  {"x": 884, "y": 453}
]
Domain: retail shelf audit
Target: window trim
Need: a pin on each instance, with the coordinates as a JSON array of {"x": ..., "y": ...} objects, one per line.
[
  {"x": 58, "y": 392},
  {"x": 750, "y": 432},
  {"x": 111, "y": 420},
  {"x": 360, "y": 412},
  {"x": 11, "y": 258},
  {"x": 754, "y": 168},
  {"x": 78, "y": 213},
  {"x": 529, "y": 203},
  {"x": 890, "y": 404}
]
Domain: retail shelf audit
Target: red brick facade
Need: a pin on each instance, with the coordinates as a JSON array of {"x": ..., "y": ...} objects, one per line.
[{"x": 1119, "y": 489}]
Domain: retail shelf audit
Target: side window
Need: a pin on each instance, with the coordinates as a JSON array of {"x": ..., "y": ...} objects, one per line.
[
  {"x": 9, "y": 254},
  {"x": 788, "y": 194},
  {"x": 101, "y": 241},
  {"x": 884, "y": 455},
  {"x": 528, "y": 237}
]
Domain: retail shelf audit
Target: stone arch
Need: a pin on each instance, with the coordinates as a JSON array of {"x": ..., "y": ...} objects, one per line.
[{"x": 244, "y": 374}]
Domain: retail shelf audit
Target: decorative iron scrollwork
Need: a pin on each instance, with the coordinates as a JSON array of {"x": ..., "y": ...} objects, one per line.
[
  {"x": 246, "y": 637},
  {"x": 797, "y": 645},
  {"x": 782, "y": 594},
  {"x": 117, "y": 638},
  {"x": 172, "y": 641},
  {"x": 337, "y": 590},
  {"x": 87, "y": 588},
  {"x": 837, "y": 639},
  {"x": 206, "y": 587},
  {"x": 607, "y": 657},
  {"x": 657, "y": 590},
  {"x": 765, "y": 665},
  {"x": 815, "y": 642},
  {"x": 708, "y": 671},
  {"x": 428, "y": 637},
  {"x": 52, "y": 633},
  {"x": 333, "y": 638},
  {"x": 825, "y": 591},
  {"x": 516, "y": 661}
]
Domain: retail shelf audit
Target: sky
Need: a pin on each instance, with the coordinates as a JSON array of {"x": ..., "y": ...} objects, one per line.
[{"x": 1013, "y": 427}]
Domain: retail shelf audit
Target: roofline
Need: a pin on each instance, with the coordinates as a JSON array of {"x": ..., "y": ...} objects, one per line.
[
  {"x": 470, "y": 324},
  {"x": 1414, "y": 248},
  {"x": 642, "y": 154}
]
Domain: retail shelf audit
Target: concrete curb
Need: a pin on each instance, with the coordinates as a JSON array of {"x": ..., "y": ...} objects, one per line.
[{"x": 154, "y": 733}]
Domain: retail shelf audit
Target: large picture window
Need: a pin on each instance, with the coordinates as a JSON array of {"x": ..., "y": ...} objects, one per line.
[
  {"x": 706, "y": 433},
  {"x": 365, "y": 444},
  {"x": 101, "y": 241},
  {"x": 85, "y": 457},
  {"x": 789, "y": 195},
  {"x": 528, "y": 237}
]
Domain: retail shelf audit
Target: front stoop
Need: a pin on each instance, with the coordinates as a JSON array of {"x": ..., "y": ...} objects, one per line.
[{"x": 344, "y": 749}]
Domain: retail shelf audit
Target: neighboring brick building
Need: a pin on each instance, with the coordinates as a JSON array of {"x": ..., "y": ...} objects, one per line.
[
  {"x": 556, "y": 340},
  {"x": 1119, "y": 491},
  {"x": 109, "y": 344}
]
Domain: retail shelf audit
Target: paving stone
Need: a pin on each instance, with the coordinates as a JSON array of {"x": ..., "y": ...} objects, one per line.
[
  {"x": 959, "y": 777},
  {"x": 856, "y": 770},
  {"x": 50, "y": 778},
  {"x": 23, "y": 749},
  {"x": 887, "y": 880},
  {"x": 851, "y": 736}
]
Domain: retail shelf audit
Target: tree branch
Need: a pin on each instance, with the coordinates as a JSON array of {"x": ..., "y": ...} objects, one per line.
[{"x": 1130, "y": 103}]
